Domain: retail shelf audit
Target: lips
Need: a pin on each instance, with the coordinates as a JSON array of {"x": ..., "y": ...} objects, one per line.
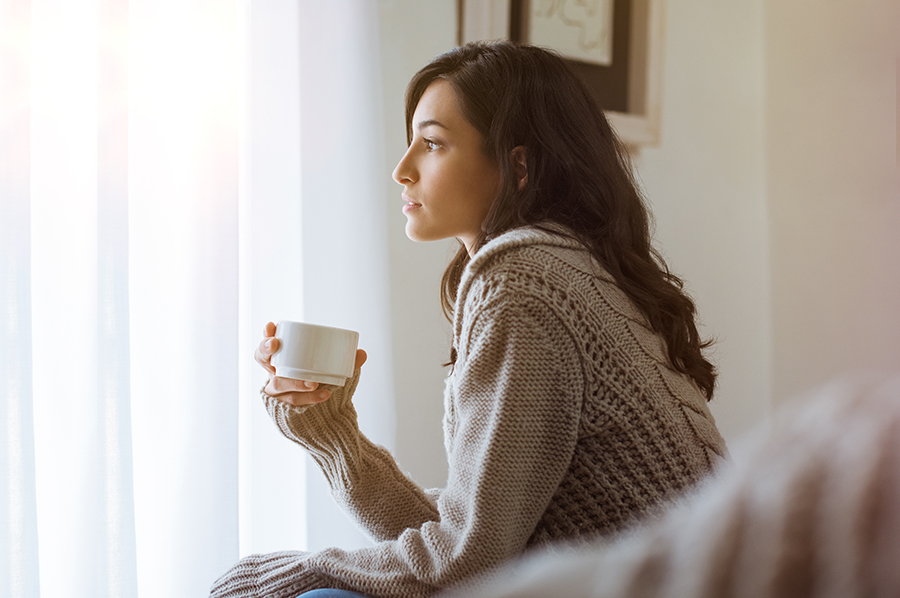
[{"x": 410, "y": 204}]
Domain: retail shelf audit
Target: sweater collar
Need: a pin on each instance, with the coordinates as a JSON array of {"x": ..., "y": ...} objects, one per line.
[{"x": 547, "y": 234}]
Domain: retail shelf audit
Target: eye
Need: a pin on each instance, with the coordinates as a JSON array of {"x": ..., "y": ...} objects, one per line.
[{"x": 430, "y": 145}]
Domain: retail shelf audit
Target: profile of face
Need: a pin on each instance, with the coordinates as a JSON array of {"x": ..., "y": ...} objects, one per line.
[{"x": 448, "y": 181}]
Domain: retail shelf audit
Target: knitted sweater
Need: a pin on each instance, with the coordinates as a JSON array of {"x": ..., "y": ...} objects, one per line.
[
  {"x": 809, "y": 508},
  {"x": 563, "y": 419}
]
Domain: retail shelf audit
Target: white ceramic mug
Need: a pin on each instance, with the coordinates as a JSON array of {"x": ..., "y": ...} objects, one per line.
[{"x": 314, "y": 353}]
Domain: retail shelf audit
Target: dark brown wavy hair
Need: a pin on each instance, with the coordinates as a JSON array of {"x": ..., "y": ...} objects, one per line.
[{"x": 579, "y": 176}]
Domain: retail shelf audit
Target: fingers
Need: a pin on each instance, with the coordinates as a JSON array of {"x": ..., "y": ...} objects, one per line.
[
  {"x": 296, "y": 392},
  {"x": 361, "y": 358},
  {"x": 300, "y": 399},
  {"x": 267, "y": 347},
  {"x": 281, "y": 385},
  {"x": 264, "y": 352}
]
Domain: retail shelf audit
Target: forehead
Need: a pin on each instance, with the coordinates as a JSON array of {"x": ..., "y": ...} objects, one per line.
[{"x": 438, "y": 103}]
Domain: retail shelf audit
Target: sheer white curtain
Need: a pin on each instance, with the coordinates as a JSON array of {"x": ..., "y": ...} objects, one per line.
[{"x": 160, "y": 202}]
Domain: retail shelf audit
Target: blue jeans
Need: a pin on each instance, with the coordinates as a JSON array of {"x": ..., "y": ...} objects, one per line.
[{"x": 323, "y": 593}]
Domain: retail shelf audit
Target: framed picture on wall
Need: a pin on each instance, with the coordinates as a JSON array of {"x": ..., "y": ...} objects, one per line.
[
  {"x": 579, "y": 30},
  {"x": 615, "y": 45}
]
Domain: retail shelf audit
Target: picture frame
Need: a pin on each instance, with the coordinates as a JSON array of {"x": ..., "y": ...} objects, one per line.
[{"x": 629, "y": 89}]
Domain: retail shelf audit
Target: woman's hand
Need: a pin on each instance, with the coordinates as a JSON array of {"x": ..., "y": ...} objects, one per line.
[{"x": 293, "y": 392}]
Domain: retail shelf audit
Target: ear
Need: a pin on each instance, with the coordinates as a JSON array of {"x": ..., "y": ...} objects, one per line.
[{"x": 519, "y": 156}]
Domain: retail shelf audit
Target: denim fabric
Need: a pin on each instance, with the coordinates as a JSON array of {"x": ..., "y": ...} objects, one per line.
[{"x": 326, "y": 593}]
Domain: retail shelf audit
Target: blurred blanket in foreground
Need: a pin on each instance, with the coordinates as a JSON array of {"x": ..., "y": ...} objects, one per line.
[{"x": 810, "y": 507}]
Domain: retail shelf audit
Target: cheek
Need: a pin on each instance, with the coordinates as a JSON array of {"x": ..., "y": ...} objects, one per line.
[
  {"x": 451, "y": 184},
  {"x": 465, "y": 188},
  {"x": 483, "y": 185}
]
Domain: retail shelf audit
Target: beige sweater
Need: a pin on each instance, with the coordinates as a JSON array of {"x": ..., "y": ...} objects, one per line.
[
  {"x": 809, "y": 508},
  {"x": 562, "y": 419}
]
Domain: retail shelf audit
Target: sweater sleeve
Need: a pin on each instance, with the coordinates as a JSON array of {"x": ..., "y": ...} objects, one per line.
[
  {"x": 516, "y": 396},
  {"x": 364, "y": 478}
]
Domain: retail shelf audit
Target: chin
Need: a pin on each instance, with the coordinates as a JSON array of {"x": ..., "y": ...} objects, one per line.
[{"x": 414, "y": 234}]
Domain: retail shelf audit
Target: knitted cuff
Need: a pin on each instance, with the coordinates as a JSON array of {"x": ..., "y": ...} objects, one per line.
[{"x": 274, "y": 575}]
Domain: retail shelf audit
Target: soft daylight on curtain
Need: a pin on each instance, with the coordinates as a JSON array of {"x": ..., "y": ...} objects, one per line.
[
  {"x": 150, "y": 183},
  {"x": 122, "y": 287}
]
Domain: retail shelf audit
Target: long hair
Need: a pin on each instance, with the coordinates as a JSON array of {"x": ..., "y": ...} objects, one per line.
[{"x": 579, "y": 176}]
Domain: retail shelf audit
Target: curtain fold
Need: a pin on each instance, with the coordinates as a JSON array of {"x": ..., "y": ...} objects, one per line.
[
  {"x": 19, "y": 574},
  {"x": 183, "y": 289},
  {"x": 117, "y": 567},
  {"x": 272, "y": 474},
  {"x": 83, "y": 484}
]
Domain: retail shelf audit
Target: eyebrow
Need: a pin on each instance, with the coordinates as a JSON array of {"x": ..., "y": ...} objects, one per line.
[{"x": 430, "y": 122}]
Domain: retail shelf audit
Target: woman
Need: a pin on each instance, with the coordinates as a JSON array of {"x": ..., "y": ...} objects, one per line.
[{"x": 576, "y": 400}]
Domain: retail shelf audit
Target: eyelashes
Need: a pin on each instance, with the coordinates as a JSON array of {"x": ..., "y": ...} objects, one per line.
[{"x": 430, "y": 144}]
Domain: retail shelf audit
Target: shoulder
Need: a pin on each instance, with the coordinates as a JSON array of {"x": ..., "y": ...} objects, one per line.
[{"x": 523, "y": 266}]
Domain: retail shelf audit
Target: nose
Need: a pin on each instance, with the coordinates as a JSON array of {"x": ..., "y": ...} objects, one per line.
[{"x": 404, "y": 172}]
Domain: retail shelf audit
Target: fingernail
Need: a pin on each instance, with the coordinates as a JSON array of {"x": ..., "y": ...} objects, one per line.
[
  {"x": 269, "y": 344},
  {"x": 309, "y": 385},
  {"x": 323, "y": 394}
]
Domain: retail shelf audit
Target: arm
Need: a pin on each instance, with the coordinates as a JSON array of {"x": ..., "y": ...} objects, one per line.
[
  {"x": 364, "y": 478},
  {"x": 516, "y": 398}
]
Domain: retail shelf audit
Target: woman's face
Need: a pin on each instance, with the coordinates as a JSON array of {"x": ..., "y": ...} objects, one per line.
[{"x": 448, "y": 181}]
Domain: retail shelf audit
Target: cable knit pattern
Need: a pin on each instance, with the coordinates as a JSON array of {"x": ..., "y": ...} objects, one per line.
[
  {"x": 810, "y": 508},
  {"x": 563, "y": 419}
]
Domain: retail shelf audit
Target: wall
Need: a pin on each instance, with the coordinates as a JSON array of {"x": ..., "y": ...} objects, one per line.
[
  {"x": 833, "y": 187},
  {"x": 706, "y": 185}
]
